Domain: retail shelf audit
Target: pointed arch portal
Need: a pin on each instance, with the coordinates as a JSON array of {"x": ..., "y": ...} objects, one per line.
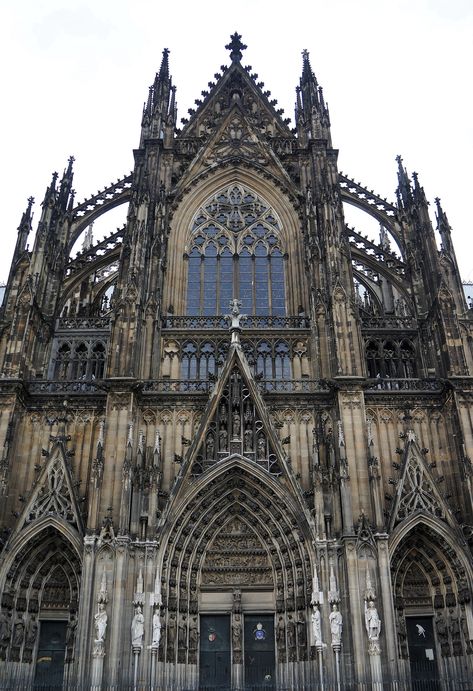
[{"x": 237, "y": 547}]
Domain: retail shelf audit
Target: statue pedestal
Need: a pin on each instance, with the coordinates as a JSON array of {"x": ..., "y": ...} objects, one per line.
[
  {"x": 136, "y": 650},
  {"x": 336, "y": 650},
  {"x": 374, "y": 651},
  {"x": 320, "y": 650},
  {"x": 97, "y": 666}
]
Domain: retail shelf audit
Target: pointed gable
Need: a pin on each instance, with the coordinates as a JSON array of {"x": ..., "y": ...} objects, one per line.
[
  {"x": 53, "y": 494},
  {"x": 417, "y": 488}
]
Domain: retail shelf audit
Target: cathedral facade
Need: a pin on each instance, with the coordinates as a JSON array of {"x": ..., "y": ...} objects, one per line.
[{"x": 236, "y": 433}]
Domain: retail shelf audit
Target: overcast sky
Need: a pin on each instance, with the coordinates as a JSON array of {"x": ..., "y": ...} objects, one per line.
[{"x": 396, "y": 75}]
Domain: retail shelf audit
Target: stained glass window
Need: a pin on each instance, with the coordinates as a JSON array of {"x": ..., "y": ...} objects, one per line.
[{"x": 235, "y": 251}]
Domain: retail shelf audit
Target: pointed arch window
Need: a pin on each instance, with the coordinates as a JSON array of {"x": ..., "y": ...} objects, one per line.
[{"x": 236, "y": 251}]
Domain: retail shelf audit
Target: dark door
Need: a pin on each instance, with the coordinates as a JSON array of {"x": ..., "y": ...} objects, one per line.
[
  {"x": 259, "y": 652},
  {"x": 51, "y": 652},
  {"x": 215, "y": 658},
  {"x": 422, "y": 653}
]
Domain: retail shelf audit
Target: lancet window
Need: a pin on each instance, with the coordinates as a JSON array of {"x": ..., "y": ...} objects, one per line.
[{"x": 236, "y": 251}]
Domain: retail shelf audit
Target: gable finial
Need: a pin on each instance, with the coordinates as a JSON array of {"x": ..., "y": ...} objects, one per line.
[{"x": 235, "y": 47}]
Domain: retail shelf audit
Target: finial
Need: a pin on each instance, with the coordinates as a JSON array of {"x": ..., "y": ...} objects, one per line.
[
  {"x": 236, "y": 317},
  {"x": 164, "y": 69},
  {"x": 235, "y": 47}
]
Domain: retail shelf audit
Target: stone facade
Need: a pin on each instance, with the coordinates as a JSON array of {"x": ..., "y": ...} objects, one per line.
[{"x": 236, "y": 433}]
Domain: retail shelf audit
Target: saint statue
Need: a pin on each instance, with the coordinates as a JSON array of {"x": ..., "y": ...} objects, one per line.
[
  {"x": 316, "y": 626},
  {"x": 372, "y": 621},
  {"x": 336, "y": 625},
  {"x": 156, "y": 629},
  {"x": 100, "y": 623},
  {"x": 137, "y": 628}
]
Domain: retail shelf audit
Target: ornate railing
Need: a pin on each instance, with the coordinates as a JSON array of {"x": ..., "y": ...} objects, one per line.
[
  {"x": 388, "y": 321},
  {"x": 48, "y": 387},
  {"x": 221, "y": 322},
  {"x": 264, "y": 385},
  {"x": 178, "y": 386},
  {"x": 402, "y": 385},
  {"x": 78, "y": 323},
  {"x": 293, "y": 385}
]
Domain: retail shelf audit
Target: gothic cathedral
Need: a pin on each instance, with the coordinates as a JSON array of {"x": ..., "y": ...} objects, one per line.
[{"x": 235, "y": 434}]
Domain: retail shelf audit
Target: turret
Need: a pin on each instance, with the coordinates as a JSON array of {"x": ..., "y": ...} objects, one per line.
[{"x": 448, "y": 253}]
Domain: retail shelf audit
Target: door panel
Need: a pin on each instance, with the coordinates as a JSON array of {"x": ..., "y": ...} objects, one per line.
[
  {"x": 259, "y": 652},
  {"x": 422, "y": 653},
  {"x": 49, "y": 671},
  {"x": 215, "y": 657}
]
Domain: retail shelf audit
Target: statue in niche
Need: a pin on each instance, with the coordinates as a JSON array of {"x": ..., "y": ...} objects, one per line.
[
  {"x": 223, "y": 439},
  {"x": 248, "y": 439},
  {"x": 280, "y": 633},
  {"x": 182, "y": 634},
  {"x": 372, "y": 621},
  {"x": 193, "y": 635},
  {"x": 261, "y": 448},
  {"x": 291, "y": 633},
  {"x": 171, "y": 630},
  {"x": 336, "y": 625},
  {"x": 156, "y": 629},
  {"x": 32, "y": 631},
  {"x": 137, "y": 628},
  {"x": 100, "y": 623},
  {"x": 317, "y": 626},
  {"x": 301, "y": 631},
  {"x": 18, "y": 631},
  {"x": 236, "y": 424},
  {"x": 210, "y": 447},
  {"x": 5, "y": 629}
]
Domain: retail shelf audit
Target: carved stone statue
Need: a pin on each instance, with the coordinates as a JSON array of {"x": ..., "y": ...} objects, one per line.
[
  {"x": 280, "y": 633},
  {"x": 5, "y": 629},
  {"x": 156, "y": 630},
  {"x": 18, "y": 632},
  {"x": 372, "y": 621},
  {"x": 137, "y": 628},
  {"x": 236, "y": 632},
  {"x": 71, "y": 631},
  {"x": 261, "y": 448},
  {"x": 336, "y": 625},
  {"x": 316, "y": 626},
  {"x": 210, "y": 447},
  {"x": 182, "y": 634},
  {"x": 223, "y": 439},
  {"x": 301, "y": 631},
  {"x": 193, "y": 635},
  {"x": 32, "y": 631},
  {"x": 100, "y": 623}
]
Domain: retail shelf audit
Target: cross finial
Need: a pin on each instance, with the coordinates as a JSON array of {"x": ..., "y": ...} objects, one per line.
[{"x": 235, "y": 47}]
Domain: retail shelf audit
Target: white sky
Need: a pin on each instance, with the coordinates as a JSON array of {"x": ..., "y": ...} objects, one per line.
[{"x": 396, "y": 75}]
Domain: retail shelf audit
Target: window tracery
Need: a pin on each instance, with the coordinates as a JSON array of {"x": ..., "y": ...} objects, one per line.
[
  {"x": 235, "y": 251},
  {"x": 389, "y": 358}
]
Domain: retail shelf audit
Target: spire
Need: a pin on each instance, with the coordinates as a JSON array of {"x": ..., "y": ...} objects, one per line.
[
  {"x": 235, "y": 47},
  {"x": 311, "y": 111},
  {"x": 404, "y": 190},
  {"x": 159, "y": 110}
]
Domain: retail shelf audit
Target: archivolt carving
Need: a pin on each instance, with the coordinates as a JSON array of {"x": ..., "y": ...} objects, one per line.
[{"x": 260, "y": 532}]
